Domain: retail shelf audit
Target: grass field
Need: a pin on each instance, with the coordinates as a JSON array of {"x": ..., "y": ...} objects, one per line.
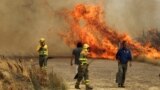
[{"x": 26, "y": 75}]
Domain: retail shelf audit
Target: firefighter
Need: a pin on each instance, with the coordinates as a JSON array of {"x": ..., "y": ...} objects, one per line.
[
  {"x": 83, "y": 68},
  {"x": 123, "y": 56},
  {"x": 43, "y": 53}
]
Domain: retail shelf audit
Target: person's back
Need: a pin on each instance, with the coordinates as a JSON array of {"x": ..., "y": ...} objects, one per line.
[{"x": 76, "y": 53}]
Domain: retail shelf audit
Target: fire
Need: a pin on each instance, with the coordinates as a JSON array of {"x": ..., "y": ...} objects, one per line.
[{"x": 88, "y": 26}]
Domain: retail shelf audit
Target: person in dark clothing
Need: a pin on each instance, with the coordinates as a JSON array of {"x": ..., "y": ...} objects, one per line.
[
  {"x": 75, "y": 56},
  {"x": 123, "y": 56}
]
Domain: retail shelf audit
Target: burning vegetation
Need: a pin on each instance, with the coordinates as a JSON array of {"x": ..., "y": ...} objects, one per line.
[
  {"x": 152, "y": 37},
  {"x": 87, "y": 24}
]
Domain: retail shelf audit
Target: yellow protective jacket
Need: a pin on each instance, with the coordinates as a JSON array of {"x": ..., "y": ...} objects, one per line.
[
  {"x": 42, "y": 50},
  {"x": 83, "y": 56}
]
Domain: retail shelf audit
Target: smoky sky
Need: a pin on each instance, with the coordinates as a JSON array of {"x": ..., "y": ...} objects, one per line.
[
  {"x": 24, "y": 22},
  {"x": 133, "y": 16}
]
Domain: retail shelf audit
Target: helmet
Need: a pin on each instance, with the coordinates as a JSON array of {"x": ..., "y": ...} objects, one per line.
[
  {"x": 42, "y": 40},
  {"x": 85, "y": 46}
]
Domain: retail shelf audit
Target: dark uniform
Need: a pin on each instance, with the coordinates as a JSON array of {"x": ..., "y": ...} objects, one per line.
[{"x": 76, "y": 53}]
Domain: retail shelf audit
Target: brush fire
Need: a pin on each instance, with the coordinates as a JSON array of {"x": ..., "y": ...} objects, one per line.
[{"x": 87, "y": 24}]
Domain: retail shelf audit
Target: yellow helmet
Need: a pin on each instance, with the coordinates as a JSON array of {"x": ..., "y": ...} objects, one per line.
[
  {"x": 42, "y": 40},
  {"x": 85, "y": 46}
]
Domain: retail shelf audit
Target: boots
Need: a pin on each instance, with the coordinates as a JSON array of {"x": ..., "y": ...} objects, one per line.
[
  {"x": 77, "y": 86},
  {"x": 88, "y": 87},
  {"x": 121, "y": 85}
]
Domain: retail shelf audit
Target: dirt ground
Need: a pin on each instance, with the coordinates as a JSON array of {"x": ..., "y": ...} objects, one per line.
[{"x": 140, "y": 76}]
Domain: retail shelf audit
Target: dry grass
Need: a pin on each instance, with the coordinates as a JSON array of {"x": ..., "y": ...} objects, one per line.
[
  {"x": 16, "y": 75},
  {"x": 147, "y": 60},
  {"x": 13, "y": 75},
  {"x": 55, "y": 82}
]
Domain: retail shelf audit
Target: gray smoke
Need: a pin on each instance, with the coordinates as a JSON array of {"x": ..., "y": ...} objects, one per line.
[
  {"x": 23, "y": 22},
  {"x": 133, "y": 16}
]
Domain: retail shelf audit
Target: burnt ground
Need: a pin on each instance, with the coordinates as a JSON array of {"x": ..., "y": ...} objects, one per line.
[{"x": 141, "y": 76}]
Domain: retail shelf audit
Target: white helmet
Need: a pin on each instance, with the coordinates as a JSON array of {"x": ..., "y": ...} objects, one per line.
[{"x": 85, "y": 46}]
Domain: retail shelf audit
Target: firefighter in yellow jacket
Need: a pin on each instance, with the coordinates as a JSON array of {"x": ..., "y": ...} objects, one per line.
[
  {"x": 43, "y": 53},
  {"x": 83, "y": 68}
]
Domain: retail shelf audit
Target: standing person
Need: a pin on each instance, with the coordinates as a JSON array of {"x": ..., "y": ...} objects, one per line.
[
  {"x": 83, "y": 68},
  {"x": 43, "y": 53},
  {"x": 123, "y": 56},
  {"x": 75, "y": 56}
]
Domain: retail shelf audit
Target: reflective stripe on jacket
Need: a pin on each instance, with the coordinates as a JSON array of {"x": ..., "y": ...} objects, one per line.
[
  {"x": 43, "y": 51},
  {"x": 83, "y": 57}
]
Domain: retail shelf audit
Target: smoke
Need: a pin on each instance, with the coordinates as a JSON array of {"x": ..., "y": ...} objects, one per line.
[
  {"x": 133, "y": 16},
  {"x": 23, "y": 22}
]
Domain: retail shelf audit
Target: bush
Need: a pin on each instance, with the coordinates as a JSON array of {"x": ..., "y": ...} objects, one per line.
[
  {"x": 15, "y": 75},
  {"x": 51, "y": 81}
]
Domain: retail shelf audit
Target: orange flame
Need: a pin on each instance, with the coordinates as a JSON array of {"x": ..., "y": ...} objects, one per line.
[{"x": 87, "y": 25}]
